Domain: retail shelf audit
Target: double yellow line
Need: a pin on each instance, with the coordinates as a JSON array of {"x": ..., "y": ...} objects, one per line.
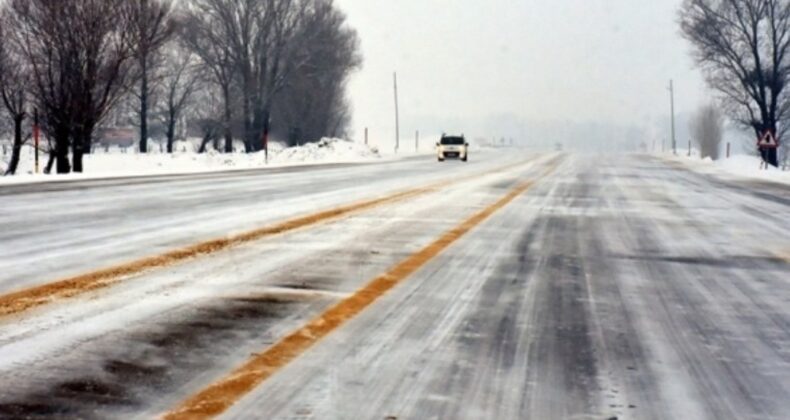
[
  {"x": 26, "y": 299},
  {"x": 221, "y": 395}
]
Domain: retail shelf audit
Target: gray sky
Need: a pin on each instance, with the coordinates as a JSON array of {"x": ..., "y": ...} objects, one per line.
[{"x": 513, "y": 65}]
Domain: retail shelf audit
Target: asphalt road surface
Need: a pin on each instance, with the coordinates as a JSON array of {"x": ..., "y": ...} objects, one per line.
[{"x": 598, "y": 287}]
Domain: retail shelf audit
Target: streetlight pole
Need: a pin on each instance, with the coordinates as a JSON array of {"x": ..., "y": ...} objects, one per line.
[
  {"x": 397, "y": 117},
  {"x": 672, "y": 110}
]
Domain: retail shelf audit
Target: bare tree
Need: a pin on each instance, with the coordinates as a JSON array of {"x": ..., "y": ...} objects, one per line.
[
  {"x": 277, "y": 56},
  {"x": 207, "y": 116},
  {"x": 258, "y": 36},
  {"x": 206, "y": 35},
  {"x": 312, "y": 103},
  {"x": 151, "y": 27},
  {"x": 13, "y": 85},
  {"x": 742, "y": 46},
  {"x": 79, "y": 52},
  {"x": 44, "y": 47},
  {"x": 179, "y": 84},
  {"x": 707, "y": 129}
]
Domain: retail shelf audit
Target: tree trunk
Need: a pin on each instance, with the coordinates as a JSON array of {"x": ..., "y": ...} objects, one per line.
[
  {"x": 206, "y": 139},
  {"x": 171, "y": 133},
  {"x": 260, "y": 124},
  {"x": 62, "y": 165},
  {"x": 227, "y": 122},
  {"x": 249, "y": 132},
  {"x": 50, "y": 162},
  {"x": 144, "y": 108},
  {"x": 81, "y": 143},
  {"x": 76, "y": 158},
  {"x": 772, "y": 157},
  {"x": 266, "y": 130},
  {"x": 77, "y": 152},
  {"x": 16, "y": 149}
]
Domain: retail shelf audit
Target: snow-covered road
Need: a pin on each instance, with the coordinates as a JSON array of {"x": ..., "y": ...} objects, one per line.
[{"x": 627, "y": 287}]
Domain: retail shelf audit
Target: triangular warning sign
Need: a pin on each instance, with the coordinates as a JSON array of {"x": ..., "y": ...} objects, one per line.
[{"x": 767, "y": 141}]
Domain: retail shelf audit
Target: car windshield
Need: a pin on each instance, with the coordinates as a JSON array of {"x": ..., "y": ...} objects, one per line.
[{"x": 453, "y": 141}]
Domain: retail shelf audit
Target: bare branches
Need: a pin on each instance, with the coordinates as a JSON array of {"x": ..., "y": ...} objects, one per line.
[
  {"x": 151, "y": 26},
  {"x": 742, "y": 46},
  {"x": 180, "y": 82},
  {"x": 13, "y": 94},
  {"x": 707, "y": 129},
  {"x": 79, "y": 52},
  {"x": 85, "y": 59},
  {"x": 313, "y": 104}
]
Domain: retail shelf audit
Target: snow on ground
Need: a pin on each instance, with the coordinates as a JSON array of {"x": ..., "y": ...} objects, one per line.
[
  {"x": 116, "y": 163},
  {"x": 740, "y": 166}
]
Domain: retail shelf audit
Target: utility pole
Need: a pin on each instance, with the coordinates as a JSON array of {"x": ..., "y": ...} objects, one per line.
[
  {"x": 397, "y": 116},
  {"x": 36, "y": 132},
  {"x": 672, "y": 109}
]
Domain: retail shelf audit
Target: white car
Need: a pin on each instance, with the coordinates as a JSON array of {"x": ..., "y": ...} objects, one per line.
[{"x": 452, "y": 147}]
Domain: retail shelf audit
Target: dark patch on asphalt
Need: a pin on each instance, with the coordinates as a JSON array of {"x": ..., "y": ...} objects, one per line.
[
  {"x": 490, "y": 335},
  {"x": 724, "y": 262},
  {"x": 564, "y": 342},
  {"x": 27, "y": 410},
  {"x": 152, "y": 362},
  {"x": 505, "y": 331}
]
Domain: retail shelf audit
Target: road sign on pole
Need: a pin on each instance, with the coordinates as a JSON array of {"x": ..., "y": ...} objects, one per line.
[
  {"x": 767, "y": 145},
  {"x": 767, "y": 141}
]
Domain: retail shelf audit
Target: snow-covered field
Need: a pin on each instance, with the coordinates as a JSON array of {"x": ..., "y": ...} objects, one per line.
[
  {"x": 736, "y": 166},
  {"x": 119, "y": 164}
]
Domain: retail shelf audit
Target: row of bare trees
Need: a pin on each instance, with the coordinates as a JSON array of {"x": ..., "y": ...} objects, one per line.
[
  {"x": 743, "y": 47},
  {"x": 236, "y": 70}
]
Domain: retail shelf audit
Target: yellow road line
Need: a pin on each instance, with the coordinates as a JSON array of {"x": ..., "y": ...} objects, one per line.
[
  {"x": 23, "y": 300},
  {"x": 219, "y": 396}
]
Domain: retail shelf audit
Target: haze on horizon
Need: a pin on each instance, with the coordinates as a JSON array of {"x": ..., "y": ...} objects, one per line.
[{"x": 576, "y": 71}]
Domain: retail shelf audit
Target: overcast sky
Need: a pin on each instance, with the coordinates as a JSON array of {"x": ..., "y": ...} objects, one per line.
[{"x": 464, "y": 65}]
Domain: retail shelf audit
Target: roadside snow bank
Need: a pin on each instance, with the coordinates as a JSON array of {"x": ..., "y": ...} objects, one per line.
[
  {"x": 117, "y": 164},
  {"x": 742, "y": 166},
  {"x": 334, "y": 150}
]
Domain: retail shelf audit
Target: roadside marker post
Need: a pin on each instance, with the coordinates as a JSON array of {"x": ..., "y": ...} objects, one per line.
[
  {"x": 265, "y": 141},
  {"x": 417, "y": 141},
  {"x": 689, "y": 148},
  {"x": 366, "y": 136},
  {"x": 728, "y": 150},
  {"x": 35, "y": 138}
]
